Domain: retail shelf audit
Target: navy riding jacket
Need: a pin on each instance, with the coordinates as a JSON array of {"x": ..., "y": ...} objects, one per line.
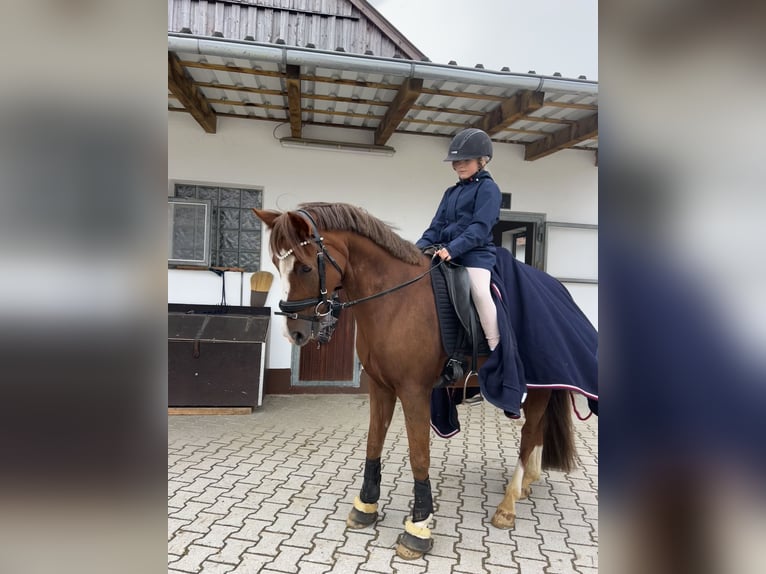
[{"x": 464, "y": 220}]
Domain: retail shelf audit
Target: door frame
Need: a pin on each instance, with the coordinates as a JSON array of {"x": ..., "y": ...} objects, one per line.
[
  {"x": 538, "y": 220},
  {"x": 295, "y": 361}
]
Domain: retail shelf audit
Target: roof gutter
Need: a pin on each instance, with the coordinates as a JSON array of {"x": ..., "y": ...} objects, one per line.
[{"x": 371, "y": 64}]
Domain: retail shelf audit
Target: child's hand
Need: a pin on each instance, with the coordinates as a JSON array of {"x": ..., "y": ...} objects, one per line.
[{"x": 444, "y": 254}]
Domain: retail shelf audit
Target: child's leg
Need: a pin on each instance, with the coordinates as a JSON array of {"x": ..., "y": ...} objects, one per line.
[{"x": 482, "y": 298}]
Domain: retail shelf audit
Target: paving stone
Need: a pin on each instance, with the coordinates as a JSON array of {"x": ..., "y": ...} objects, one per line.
[
  {"x": 209, "y": 496},
  {"x": 174, "y": 524},
  {"x": 385, "y": 536},
  {"x": 322, "y": 550},
  {"x": 357, "y": 541},
  {"x": 559, "y": 562},
  {"x": 270, "y": 494},
  {"x": 497, "y": 569},
  {"x": 408, "y": 566},
  {"x": 378, "y": 560},
  {"x": 312, "y": 568},
  {"x": 288, "y": 558},
  {"x": 531, "y": 566},
  {"x": 585, "y": 555},
  {"x": 188, "y": 512},
  {"x": 181, "y": 497},
  {"x": 231, "y": 551},
  {"x": 315, "y": 517},
  {"x": 251, "y": 529},
  {"x": 549, "y": 522},
  {"x": 471, "y": 561},
  {"x": 234, "y": 516},
  {"x": 251, "y": 564},
  {"x": 209, "y": 567},
  {"x": 579, "y": 534},
  {"x": 525, "y": 527},
  {"x": 203, "y": 522},
  {"x": 216, "y": 536},
  {"x": 527, "y": 548},
  {"x": 439, "y": 564},
  {"x": 473, "y": 521},
  {"x": 193, "y": 559},
  {"x": 181, "y": 541},
  {"x": 346, "y": 563}
]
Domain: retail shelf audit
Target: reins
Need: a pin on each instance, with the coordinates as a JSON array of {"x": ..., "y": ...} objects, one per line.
[
  {"x": 333, "y": 305},
  {"x": 391, "y": 290}
]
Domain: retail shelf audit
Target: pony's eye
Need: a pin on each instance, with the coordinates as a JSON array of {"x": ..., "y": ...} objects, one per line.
[{"x": 305, "y": 269}]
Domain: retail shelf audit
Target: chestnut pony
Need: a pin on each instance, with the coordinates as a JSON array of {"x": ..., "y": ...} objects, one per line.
[{"x": 322, "y": 247}]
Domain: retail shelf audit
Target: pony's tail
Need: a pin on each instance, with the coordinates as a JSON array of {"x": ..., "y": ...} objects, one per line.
[{"x": 559, "y": 451}]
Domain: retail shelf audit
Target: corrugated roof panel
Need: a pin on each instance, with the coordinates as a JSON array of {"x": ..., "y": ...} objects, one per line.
[{"x": 256, "y": 88}]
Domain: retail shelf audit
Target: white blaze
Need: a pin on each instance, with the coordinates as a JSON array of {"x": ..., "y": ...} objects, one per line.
[{"x": 285, "y": 266}]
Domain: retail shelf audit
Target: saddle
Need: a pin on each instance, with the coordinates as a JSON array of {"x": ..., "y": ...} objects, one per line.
[{"x": 459, "y": 324}]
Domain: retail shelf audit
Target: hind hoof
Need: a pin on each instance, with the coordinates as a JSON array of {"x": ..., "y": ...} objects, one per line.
[
  {"x": 526, "y": 493},
  {"x": 503, "y": 519}
]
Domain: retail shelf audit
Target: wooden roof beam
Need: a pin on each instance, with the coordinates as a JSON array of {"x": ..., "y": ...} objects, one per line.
[
  {"x": 510, "y": 110},
  {"x": 183, "y": 88},
  {"x": 579, "y": 131},
  {"x": 401, "y": 104},
  {"x": 293, "y": 80}
]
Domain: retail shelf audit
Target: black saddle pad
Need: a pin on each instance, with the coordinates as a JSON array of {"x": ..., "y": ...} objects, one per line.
[{"x": 455, "y": 340}]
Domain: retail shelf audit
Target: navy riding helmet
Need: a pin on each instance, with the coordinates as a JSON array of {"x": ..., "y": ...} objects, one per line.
[{"x": 470, "y": 143}]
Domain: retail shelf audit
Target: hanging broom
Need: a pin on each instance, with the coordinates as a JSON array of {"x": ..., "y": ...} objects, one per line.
[{"x": 260, "y": 283}]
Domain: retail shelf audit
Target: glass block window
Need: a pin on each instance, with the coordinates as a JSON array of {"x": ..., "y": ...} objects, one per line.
[
  {"x": 235, "y": 230},
  {"x": 188, "y": 232}
]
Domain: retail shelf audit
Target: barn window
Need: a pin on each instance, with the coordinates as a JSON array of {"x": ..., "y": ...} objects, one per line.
[
  {"x": 188, "y": 232},
  {"x": 234, "y": 231}
]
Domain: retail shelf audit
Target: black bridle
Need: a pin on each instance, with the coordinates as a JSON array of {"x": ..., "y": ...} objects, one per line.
[{"x": 324, "y": 305}]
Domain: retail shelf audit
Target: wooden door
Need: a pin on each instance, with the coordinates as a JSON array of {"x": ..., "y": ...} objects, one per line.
[{"x": 332, "y": 363}]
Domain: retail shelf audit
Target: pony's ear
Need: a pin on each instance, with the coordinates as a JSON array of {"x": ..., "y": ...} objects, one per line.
[
  {"x": 267, "y": 216},
  {"x": 300, "y": 225}
]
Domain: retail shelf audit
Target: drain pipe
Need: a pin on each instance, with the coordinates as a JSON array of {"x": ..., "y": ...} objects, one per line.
[{"x": 308, "y": 57}]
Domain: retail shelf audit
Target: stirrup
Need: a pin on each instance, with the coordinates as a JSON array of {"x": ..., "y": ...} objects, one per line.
[
  {"x": 470, "y": 374},
  {"x": 474, "y": 399}
]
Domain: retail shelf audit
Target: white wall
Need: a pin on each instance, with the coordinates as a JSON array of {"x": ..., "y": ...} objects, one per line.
[{"x": 403, "y": 189}]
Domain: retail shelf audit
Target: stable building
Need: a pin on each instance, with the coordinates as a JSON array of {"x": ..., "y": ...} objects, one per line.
[{"x": 271, "y": 104}]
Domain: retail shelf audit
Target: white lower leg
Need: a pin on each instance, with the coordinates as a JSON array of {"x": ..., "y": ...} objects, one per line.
[{"x": 534, "y": 468}]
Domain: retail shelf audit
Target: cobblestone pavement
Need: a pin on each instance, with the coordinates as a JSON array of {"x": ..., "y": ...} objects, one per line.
[{"x": 270, "y": 493}]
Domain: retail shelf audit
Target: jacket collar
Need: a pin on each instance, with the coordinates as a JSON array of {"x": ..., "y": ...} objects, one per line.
[{"x": 479, "y": 175}]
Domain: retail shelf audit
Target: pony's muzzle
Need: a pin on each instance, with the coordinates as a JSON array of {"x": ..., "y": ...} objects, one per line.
[{"x": 299, "y": 332}]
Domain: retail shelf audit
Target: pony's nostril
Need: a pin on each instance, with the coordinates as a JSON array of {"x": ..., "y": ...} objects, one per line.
[{"x": 297, "y": 337}]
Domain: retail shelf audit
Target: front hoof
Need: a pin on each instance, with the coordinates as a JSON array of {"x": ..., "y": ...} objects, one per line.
[
  {"x": 358, "y": 519},
  {"x": 503, "y": 519},
  {"x": 411, "y": 547}
]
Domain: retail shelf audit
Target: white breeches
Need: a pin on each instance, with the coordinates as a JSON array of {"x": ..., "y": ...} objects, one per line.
[{"x": 485, "y": 306}]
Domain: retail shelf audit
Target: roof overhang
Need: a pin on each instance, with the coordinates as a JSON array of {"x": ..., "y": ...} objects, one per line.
[{"x": 213, "y": 77}]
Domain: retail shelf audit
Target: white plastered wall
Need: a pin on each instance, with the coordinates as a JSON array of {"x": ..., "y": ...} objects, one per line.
[{"x": 403, "y": 190}]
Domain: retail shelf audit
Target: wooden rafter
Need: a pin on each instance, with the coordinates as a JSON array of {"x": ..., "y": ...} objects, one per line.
[
  {"x": 511, "y": 110},
  {"x": 368, "y": 116},
  {"x": 375, "y": 85},
  {"x": 367, "y": 128},
  {"x": 403, "y": 101},
  {"x": 572, "y": 106},
  {"x": 579, "y": 131},
  {"x": 182, "y": 87},
  {"x": 293, "y": 82}
]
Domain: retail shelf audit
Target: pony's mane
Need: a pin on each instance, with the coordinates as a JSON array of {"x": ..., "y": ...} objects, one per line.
[{"x": 342, "y": 217}]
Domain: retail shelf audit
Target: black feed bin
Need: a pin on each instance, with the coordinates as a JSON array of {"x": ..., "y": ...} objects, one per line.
[{"x": 216, "y": 355}]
